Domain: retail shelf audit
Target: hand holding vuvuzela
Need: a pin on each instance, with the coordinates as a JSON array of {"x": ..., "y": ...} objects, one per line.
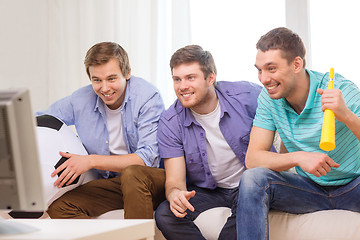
[{"x": 327, "y": 141}]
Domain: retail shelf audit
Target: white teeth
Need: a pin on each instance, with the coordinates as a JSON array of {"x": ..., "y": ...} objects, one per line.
[
  {"x": 186, "y": 95},
  {"x": 271, "y": 87}
]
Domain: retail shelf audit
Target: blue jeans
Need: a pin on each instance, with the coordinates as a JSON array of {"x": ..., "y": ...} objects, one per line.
[
  {"x": 176, "y": 228},
  {"x": 262, "y": 189}
]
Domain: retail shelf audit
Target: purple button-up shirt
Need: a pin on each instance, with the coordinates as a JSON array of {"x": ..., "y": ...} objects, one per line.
[{"x": 179, "y": 134}]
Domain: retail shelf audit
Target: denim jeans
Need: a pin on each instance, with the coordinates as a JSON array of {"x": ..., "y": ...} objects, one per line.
[
  {"x": 262, "y": 189},
  {"x": 176, "y": 228}
]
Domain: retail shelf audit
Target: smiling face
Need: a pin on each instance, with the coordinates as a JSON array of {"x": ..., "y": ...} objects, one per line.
[
  {"x": 276, "y": 73},
  {"x": 109, "y": 83},
  {"x": 192, "y": 89}
]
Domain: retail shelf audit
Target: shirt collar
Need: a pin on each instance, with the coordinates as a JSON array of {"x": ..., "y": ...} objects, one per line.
[
  {"x": 127, "y": 92},
  {"x": 220, "y": 96},
  {"x": 314, "y": 84},
  {"x": 189, "y": 118}
]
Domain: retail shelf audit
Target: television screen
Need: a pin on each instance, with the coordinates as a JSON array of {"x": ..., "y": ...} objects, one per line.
[{"x": 21, "y": 185}]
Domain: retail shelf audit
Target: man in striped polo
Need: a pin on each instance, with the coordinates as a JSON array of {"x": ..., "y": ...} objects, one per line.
[{"x": 292, "y": 102}]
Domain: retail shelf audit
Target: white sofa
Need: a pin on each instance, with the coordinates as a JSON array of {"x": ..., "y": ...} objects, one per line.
[
  {"x": 322, "y": 225},
  {"x": 332, "y": 225}
]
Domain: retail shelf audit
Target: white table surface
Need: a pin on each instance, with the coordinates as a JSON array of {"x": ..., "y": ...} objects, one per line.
[{"x": 66, "y": 229}]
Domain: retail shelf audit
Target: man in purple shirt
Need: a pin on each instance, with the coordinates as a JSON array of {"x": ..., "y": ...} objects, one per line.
[{"x": 203, "y": 138}]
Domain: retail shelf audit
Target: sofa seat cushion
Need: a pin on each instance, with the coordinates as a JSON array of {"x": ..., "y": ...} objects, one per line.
[{"x": 330, "y": 224}]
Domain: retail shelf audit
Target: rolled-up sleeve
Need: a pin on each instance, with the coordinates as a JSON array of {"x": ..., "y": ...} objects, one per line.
[{"x": 148, "y": 120}]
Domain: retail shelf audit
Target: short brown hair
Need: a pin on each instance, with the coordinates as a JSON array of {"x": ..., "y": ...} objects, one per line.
[
  {"x": 194, "y": 53},
  {"x": 284, "y": 39},
  {"x": 102, "y": 52}
]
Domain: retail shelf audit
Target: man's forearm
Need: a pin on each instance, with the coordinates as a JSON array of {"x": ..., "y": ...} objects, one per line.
[
  {"x": 274, "y": 161},
  {"x": 171, "y": 187},
  {"x": 115, "y": 163}
]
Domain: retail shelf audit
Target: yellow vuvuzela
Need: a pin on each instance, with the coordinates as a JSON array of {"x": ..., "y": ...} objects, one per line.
[{"x": 327, "y": 141}]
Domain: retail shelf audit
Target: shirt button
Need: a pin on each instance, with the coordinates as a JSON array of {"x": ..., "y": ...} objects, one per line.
[
  {"x": 227, "y": 91},
  {"x": 201, "y": 134},
  {"x": 208, "y": 173},
  {"x": 203, "y": 154},
  {"x": 191, "y": 161}
]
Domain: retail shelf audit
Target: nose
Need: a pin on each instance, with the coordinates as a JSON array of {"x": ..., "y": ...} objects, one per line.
[
  {"x": 183, "y": 84},
  {"x": 264, "y": 78},
  {"x": 105, "y": 86}
]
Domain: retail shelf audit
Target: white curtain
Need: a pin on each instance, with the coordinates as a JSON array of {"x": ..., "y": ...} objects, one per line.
[
  {"x": 44, "y": 42},
  {"x": 24, "y": 47}
]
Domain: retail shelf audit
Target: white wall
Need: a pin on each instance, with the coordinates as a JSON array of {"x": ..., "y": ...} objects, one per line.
[
  {"x": 44, "y": 42},
  {"x": 232, "y": 33},
  {"x": 23, "y": 46},
  {"x": 335, "y": 37}
]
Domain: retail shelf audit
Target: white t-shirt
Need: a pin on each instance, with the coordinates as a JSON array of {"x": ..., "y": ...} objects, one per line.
[
  {"x": 225, "y": 167},
  {"x": 117, "y": 143}
]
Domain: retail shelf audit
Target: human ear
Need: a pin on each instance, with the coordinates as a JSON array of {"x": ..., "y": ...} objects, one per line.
[
  {"x": 298, "y": 64},
  {"x": 211, "y": 78},
  {"x": 127, "y": 77}
]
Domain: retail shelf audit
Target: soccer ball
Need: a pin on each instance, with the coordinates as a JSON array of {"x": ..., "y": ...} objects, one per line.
[{"x": 54, "y": 136}]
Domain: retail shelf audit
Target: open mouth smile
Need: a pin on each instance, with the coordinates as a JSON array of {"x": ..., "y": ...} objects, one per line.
[
  {"x": 186, "y": 95},
  {"x": 108, "y": 95},
  {"x": 271, "y": 88}
]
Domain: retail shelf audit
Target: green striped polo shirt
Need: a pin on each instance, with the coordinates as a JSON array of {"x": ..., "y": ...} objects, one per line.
[{"x": 302, "y": 132}]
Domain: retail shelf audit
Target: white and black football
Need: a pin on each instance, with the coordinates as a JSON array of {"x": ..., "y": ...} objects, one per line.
[{"x": 54, "y": 136}]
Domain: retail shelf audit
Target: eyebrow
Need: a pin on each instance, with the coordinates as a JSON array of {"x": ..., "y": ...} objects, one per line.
[
  {"x": 265, "y": 65},
  {"x": 187, "y": 75},
  {"x": 111, "y": 75}
]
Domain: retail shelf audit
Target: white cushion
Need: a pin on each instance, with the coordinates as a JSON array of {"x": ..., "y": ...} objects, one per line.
[
  {"x": 212, "y": 221},
  {"x": 330, "y": 225}
]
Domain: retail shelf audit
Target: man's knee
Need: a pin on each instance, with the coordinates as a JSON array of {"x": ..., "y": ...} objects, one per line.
[
  {"x": 52, "y": 211},
  {"x": 256, "y": 177},
  {"x": 132, "y": 172},
  {"x": 57, "y": 209},
  {"x": 258, "y": 172},
  {"x": 160, "y": 214},
  {"x": 142, "y": 176}
]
